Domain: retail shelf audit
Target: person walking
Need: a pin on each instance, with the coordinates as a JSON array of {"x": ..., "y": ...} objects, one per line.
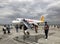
[
  {"x": 8, "y": 29},
  {"x": 16, "y": 27},
  {"x": 46, "y": 29},
  {"x": 25, "y": 28},
  {"x": 4, "y": 29},
  {"x": 35, "y": 26}
]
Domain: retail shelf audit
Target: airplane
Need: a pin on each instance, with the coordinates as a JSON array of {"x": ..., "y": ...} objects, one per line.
[{"x": 31, "y": 21}]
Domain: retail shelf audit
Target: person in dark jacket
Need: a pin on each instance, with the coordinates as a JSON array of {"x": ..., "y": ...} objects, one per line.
[
  {"x": 8, "y": 29},
  {"x": 25, "y": 28},
  {"x": 46, "y": 29},
  {"x": 35, "y": 26}
]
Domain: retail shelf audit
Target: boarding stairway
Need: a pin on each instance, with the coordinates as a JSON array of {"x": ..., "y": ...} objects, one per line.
[{"x": 27, "y": 24}]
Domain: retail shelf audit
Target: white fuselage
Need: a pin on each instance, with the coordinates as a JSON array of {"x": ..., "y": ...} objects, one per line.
[{"x": 19, "y": 20}]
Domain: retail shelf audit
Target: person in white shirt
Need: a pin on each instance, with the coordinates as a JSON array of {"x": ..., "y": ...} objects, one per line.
[{"x": 4, "y": 29}]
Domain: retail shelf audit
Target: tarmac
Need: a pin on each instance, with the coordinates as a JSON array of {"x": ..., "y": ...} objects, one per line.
[{"x": 33, "y": 38}]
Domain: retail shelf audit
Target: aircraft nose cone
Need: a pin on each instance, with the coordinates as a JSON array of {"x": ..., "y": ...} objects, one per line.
[{"x": 15, "y": 21}]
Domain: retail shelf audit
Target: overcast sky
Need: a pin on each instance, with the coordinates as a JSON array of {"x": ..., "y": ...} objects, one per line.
[{"x": 34, "y": 9}]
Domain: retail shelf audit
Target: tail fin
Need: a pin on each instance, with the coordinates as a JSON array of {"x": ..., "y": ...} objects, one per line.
[{"x": 42, "y": 19}]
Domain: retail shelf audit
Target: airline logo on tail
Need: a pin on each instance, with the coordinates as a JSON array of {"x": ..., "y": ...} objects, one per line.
[{"x": 42, "y": 19}]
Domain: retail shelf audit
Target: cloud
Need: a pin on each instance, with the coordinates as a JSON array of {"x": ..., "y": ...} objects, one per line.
[
  {"x": 34, "y": 9},
  {"x": 5, "y": 12},
  {"x": 20, "y": 0},
  {"x": 53, "y": 11}
]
